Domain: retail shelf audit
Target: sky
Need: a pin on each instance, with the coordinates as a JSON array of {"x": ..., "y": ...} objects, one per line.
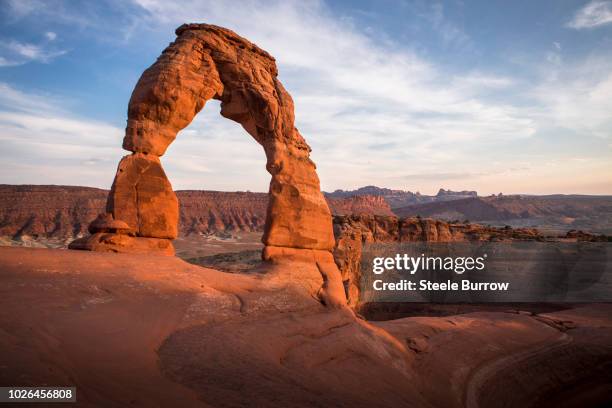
[{"x": 493, "y": 96}]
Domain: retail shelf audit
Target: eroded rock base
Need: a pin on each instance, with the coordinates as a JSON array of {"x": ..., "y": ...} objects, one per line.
[
  {"x": 120, "y": 243},
  {"x": 311, "y": 267}
]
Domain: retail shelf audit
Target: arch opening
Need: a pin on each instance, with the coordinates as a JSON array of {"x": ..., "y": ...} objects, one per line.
[{"x": 213, "y": 153}]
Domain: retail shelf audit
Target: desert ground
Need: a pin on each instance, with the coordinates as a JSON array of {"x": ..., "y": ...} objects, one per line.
[{"x": 146, "y": 330}]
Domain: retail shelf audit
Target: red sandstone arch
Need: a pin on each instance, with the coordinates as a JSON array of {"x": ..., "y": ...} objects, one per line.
[
  {"x": 206, "y": 62},
  {"x": 210, "y": 62}
]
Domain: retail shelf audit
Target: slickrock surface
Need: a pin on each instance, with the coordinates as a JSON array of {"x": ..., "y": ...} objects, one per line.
[{"x": 154, "y": 331}]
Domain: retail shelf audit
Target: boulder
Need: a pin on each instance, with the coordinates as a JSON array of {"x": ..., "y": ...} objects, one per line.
[
  {"x": 106, "y": 223},
  {"x": 121, "y": 243}
]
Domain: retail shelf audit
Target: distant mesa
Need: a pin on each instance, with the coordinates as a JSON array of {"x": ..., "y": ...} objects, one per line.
[
  {"x": 401, "y": 198},
  {"x": 557, "y": 212},
  {"x": 455, "y": 195}
]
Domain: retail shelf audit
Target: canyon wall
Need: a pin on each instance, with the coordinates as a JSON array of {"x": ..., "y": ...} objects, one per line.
[
  {"x": 64, "y": 212},
  {"x": 48, "y": 211},
  {"x": 353, "y": 231}
]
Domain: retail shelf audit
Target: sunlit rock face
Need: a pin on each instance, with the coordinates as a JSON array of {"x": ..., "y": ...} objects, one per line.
[{"x": 209, "y": 62}]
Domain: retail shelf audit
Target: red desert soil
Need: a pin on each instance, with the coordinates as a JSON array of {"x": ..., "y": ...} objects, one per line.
[{"x": 142, "y": 330}]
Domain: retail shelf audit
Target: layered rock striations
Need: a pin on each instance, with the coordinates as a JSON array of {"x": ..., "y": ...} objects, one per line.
[
  {"x": 206, "y": 212},
  {"x": 61, "y": 212},
  {"x": 206, "y": 62},
  {"x": 65, "y": 212},
  {"x": 353, "y": 231},
  {"x": 359, "y": 205},
  {"x": 563, "y": 212}
]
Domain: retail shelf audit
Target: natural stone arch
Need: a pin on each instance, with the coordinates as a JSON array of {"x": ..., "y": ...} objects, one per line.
[
  {"x": 203, "y": 63},
  {"x": 210, "y": 62}
]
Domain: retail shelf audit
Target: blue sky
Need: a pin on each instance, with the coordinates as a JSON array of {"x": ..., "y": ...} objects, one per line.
[{"x": 417, "y": 95}]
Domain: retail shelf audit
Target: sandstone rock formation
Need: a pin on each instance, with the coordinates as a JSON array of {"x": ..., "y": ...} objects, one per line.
[
  {"x": 359, "y": 205},
  {"x": 207, "y": 62},
  {"x": 105, "y": 223},
  {"x": 352, "y": 232}
]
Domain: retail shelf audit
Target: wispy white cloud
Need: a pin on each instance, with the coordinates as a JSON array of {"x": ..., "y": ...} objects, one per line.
[
  {"x": 55, "y": 10},
  {"x": 14, "y": 100},
  {"x": 594, "y": 14},
  {"x": 351, "y": 91},
  {"x": 50, "y": 35},
  {"x": 375, "y": 112},
  {"x": 42, "y": 143},
  {"x": 577, "y": 97},
  {"x": 19, "y": 53}
]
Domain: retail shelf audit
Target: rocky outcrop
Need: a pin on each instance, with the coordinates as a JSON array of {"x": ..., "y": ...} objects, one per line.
[
  {"x": 206, "y": 62},
  {"x": 586, "y": 236},
  {"x": 448, "y": 195},
  {"x": 352, "y": 232},
  {"x": 142, "y": 197},
  {"x": 359, "y": 205}
]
